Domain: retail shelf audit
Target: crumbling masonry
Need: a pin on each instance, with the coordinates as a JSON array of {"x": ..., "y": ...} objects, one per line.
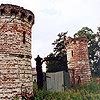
[
  {"x": 78, "y": 61},
  {"x": 15, "y": 51}
]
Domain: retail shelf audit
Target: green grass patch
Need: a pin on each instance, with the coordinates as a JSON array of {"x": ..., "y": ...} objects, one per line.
[{"x": 90, "y": 91}]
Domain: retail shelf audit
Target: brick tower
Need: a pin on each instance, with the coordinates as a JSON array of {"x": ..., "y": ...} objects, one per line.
[
  {"x": 78, "y": 61},
  {"x": 15, "y": 51}
]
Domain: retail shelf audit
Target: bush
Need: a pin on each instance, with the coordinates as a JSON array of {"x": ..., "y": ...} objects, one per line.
[
  {"x": 35, "y": 88},
  {"x": 90, "y": 91}
]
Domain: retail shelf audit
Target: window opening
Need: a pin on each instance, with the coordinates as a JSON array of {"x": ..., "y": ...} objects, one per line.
[
  {"x": 2, "y": 11},
  {"x": 14, "y": 12},
  {"x": 29, "y": 18},
  {"x": 24, "y": 37},
  {"x": 22, "y": 15},
  {"x": 72, "y": 53}
]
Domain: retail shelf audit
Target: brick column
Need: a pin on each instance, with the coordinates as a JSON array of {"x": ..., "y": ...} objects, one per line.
[
  {"x": 15, "y": 51},
  {"x": 78, "y": 61}
]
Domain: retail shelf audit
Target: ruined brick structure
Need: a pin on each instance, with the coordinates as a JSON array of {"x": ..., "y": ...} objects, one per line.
[
  {"x": 78, "y": 61},
  {"x": 15, "y": 51}
]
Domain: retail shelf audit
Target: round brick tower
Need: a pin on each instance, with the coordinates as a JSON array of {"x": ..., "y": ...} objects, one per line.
[
  {"x": 78, "y": 61},
  {"x": 15, "y": 51}
]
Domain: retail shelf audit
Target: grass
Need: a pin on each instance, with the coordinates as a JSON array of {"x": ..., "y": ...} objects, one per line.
[{"x": 90, "y": 91}]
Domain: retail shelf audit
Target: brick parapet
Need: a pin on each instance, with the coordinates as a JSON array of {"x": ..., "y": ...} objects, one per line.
[{"x": 19, "y": 12}]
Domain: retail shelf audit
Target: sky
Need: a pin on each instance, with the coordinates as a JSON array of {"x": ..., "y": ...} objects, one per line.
[{"x": 56, "y": 16}]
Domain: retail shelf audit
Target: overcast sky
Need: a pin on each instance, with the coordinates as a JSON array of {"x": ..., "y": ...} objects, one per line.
[{"x": 55, "y": 16}]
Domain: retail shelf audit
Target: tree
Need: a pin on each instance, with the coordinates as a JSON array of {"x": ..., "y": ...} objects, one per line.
[
  {"x": 96, "y": 62},
  {"x": 92, "y": 45},
  {"x": 59, "y": 53}
]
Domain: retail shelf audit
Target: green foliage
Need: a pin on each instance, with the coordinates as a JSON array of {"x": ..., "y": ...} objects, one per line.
[
  {"x": 16, "y": 98},
  {"x": 60, "y": 64},
  {"x": 59, "y": 44},
  {"x": 35, "y": 88},
  {"x": 90, "y": 91},
  {"x": 96, "y": 62},
  {"x": 93, "y": 47},
  {"x": 85, "y": 31}
]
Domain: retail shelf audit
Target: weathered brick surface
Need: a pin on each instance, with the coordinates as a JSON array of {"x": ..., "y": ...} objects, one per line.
[
  {"x": 78, "y": 61},
  {"x": 15, "y": 55}
]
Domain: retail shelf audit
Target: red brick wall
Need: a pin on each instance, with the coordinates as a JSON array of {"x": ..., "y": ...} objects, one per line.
[
  {"x": 78, "y": 61},
  {"x": 15, "y": 55}
]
